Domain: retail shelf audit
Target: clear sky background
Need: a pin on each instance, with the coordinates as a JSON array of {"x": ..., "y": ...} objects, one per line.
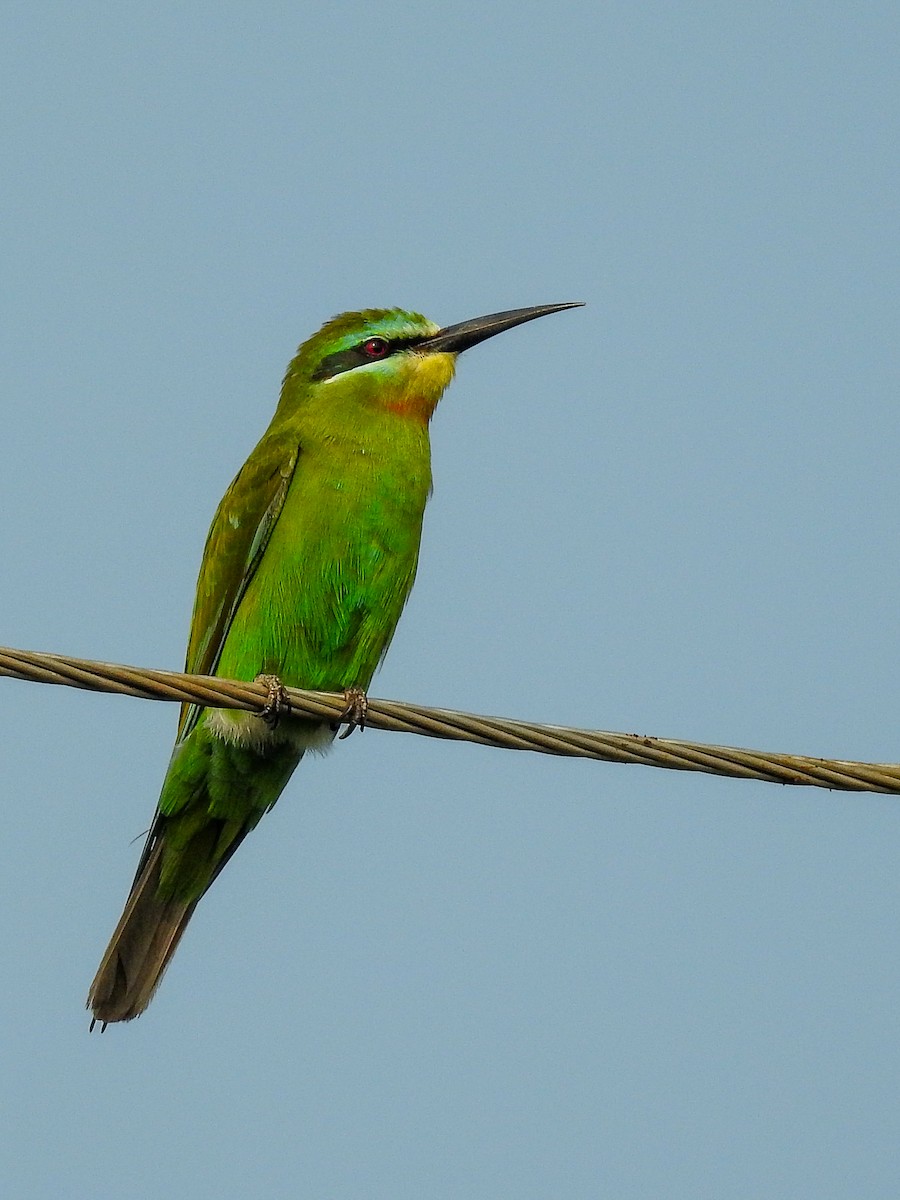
[{"x": 438, "y": 970}]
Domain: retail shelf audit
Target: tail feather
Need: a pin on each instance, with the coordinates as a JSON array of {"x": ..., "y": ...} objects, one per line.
[
  {"x": 140, "y": 948},
  {"x": 215, "y": 792}
]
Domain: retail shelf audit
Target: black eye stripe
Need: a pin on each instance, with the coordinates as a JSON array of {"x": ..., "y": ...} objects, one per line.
[
  {"x": 356, "y": 356},
  {"x": 336, "y": 364}
]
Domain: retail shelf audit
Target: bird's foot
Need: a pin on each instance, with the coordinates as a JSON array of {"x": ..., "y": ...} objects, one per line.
[
  {"x": 277, "y": 703},
  {"x": 355, "y": 712}
]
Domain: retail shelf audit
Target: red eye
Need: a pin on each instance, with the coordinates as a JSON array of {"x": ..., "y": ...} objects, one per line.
[{"x": 375, "y": 348}]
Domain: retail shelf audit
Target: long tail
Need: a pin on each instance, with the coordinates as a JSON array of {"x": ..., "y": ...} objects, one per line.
[
  {"x": 214, "y": 793},
  {"x": 140, "y": 949}
]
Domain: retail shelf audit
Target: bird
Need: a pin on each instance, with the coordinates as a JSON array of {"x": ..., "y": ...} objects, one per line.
[{"x": 307, "y": 566}]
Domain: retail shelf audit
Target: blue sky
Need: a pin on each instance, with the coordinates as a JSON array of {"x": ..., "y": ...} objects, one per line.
[{"x": 439, "y": 970}]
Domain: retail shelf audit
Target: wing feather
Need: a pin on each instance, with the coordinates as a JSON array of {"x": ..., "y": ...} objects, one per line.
[{"x": 234, "y": 547}]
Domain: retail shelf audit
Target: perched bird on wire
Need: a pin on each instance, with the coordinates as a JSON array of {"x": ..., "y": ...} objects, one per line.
[{"x": 311, "y": 556}]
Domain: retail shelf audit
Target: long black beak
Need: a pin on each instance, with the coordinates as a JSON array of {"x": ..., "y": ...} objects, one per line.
[{"x": 456, "y": 338}]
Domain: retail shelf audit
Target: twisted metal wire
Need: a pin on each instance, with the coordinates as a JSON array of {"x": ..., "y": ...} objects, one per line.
[{"x": 501, "y": 732}]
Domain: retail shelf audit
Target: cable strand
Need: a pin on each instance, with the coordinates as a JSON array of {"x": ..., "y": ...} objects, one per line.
[{"x": 500, "y": 732}]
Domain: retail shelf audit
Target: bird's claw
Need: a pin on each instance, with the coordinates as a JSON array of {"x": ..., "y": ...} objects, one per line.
[
  {"x": 277, "y": 703},
  {"x": 355, "y": 712}
]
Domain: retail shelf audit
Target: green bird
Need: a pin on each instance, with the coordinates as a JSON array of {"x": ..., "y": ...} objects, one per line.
[{"x": 310, "y": 558}]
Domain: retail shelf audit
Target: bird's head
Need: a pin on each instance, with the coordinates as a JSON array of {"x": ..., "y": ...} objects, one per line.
[{"x": 389, "y": 359}]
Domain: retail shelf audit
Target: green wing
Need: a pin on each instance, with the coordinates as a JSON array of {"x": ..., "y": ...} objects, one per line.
[{"x": 234, "y": 547}]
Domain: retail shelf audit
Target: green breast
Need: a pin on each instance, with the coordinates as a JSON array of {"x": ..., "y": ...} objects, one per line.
[{"x": 326, "y": 597}]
